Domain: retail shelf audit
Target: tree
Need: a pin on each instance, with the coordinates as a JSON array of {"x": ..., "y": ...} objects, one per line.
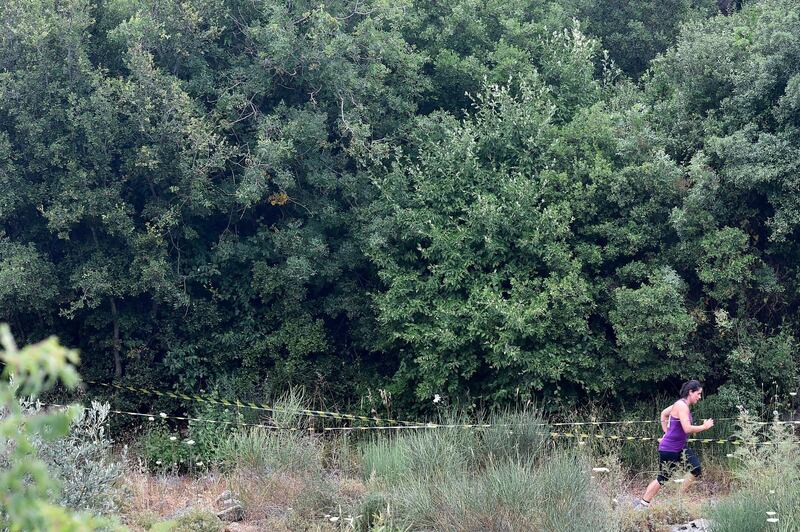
[{"x": 723, "y": 101}]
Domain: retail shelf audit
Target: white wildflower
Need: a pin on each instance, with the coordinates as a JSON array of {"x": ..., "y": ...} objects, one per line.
[
  {"x": 151, "y": 418},
  {"x": 189, "y": 442},
  {"x": 163, "y": 415},
  {"x": 173, "y": 438},
  {"x": 772, "y": 520},
  {"x": 600, "y": 469},
  {"x": 437, "y": 398},
  {"x": 771, "y": 513}
]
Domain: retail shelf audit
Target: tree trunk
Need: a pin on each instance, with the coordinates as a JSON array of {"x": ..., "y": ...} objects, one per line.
[{"x": 117, "y": 347}]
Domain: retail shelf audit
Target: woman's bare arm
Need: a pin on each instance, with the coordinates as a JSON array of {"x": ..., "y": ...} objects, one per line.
[
  {"x": 688, "y": 428},
  {"x": 665, "y": 418}
]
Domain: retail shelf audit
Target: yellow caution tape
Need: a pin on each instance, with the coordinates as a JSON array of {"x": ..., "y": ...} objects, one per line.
[
  {"x": 392, "y": 423},
  {"x": 162, "y": 415},
  {"x": 615, "y": 437},
  {"x": 251, "y": 405}
]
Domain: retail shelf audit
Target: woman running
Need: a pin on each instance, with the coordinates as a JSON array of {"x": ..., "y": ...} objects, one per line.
[{"x": 676, "y": 421}]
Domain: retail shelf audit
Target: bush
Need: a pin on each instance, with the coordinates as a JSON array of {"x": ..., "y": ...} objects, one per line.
[
  {"x": 25, "y": 482},
  {"x": 81, "y": 461},
  {"x": 286, "y": 448},
  {"x": 671, "y": 511},
  {"x": 739, "y": 513},
  {"x": 163, "y": 449},
  {"x": 197, "y": 521},
  {"x": 372, "y": 506},
  {"x": 209, "y": 436}
]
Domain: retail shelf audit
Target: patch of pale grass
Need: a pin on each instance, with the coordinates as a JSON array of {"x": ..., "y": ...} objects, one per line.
[
  {"x": 266, "y": 496},
  {"x": 162, "y": 496},
  {"x": 278, "y": 501}
]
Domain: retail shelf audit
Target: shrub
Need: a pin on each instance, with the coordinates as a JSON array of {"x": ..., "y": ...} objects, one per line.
[
  {"x": 198, "y": 521},
  {"x": 81, "y": 461},
  {"x": 669, "y": 511},
  {"x": 209, "y": 436},
  {"x": 435, "y": 479},
  {"x": 372, "y": 506},
  {"x": 344, "y": 455},
  {"x": 25, "y": 482},
  {"x": 286, "y": 448},
  {"x": 164, "y": 449}
]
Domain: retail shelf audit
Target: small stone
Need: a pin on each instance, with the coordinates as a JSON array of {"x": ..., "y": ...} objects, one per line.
[{"x": 232, "y": 514}]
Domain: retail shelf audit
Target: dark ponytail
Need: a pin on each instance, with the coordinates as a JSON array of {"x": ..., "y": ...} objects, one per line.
[{"x": 690, "y": 386}]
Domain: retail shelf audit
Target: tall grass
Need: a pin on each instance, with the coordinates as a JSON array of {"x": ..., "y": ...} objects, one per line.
[
  {"x": 515, "y": 435},
  {"x": 555, "y": 494},
  {"x": 383, "y": 460},
  {"x": 767, "y": 480},
  {"x": 285, "y": 448},
  {"x": 506, "y": 477},
  {"x": 269, "y": 450}
]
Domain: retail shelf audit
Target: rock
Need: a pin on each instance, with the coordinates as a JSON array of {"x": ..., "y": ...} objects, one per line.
[
  {"x": 232, "y": 514},
  {"x": 227, "y": 503},
  {"x": 698, "y": 525},
  {"x": 225, "y": 495}
]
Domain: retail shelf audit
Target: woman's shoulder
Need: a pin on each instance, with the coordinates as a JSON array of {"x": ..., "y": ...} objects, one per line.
[{"x": 679, "y": 405}]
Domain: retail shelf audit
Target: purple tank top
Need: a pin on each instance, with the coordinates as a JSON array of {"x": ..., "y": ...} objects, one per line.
[{"x": 675, "y": 439}]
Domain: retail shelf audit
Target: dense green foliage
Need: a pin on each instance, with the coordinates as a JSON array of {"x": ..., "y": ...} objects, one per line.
[{"x": 463, "y": 198}]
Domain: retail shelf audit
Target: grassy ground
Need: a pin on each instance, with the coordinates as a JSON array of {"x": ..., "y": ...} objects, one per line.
[
  {"x": 512, "y": 475},
  {"x": 288, "y": 502}
]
